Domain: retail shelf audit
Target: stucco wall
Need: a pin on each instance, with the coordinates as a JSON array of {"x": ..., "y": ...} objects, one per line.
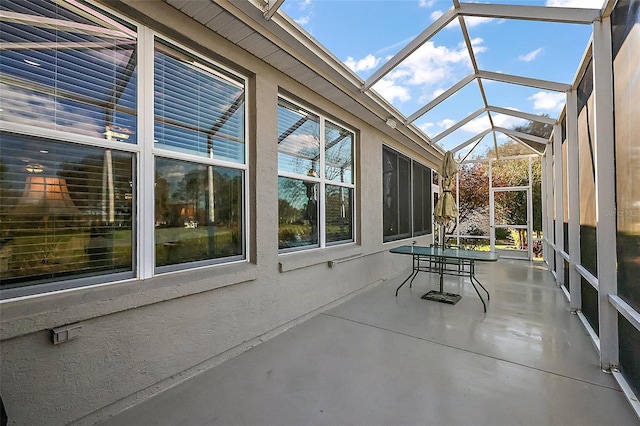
[{"x": 138, "y": 337}]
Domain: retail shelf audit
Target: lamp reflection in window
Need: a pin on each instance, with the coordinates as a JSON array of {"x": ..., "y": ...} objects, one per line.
[{"x": 46, "y": 196}]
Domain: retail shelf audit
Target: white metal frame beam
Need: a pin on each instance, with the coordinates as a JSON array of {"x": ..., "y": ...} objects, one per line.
[
  {"x": 472, "y": 140},
  {"x": 573, "y": 183},
  {"x": 413, "y": 45},
  {"x": 440, "y": 98},
  {"x": 271, "y": 8},
  {"x": 460, "y": 11},
  {"x": 524, "y": 81},
  {"x": 556, "y": 140},
  {"x": 605, "y": 192},
  {"x": 526, "y": 145},
  {"x": 523, "y": 115},
  {"x": 458, "y": 125},
  {"x": 521, "y": 135},
  {"x": 530, "y": 13}
]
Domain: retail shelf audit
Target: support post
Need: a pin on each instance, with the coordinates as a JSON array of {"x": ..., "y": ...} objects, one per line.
[{"x": 605, "y": 191}]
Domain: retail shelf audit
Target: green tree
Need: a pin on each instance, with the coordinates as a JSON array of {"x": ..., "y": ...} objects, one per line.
[{"x": 474, "y": 188}]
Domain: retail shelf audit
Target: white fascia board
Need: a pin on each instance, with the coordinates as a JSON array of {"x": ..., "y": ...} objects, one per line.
[
  {"x": 522, "y": 135},
  {"x": 525, "y": 81},
  {"x": 459, "y": 124},
  {"x": 530, "y": 13},
  {"x": 444, "y": 95},
  {"x": 472, "y": 140},
  {"x": 414, "y": 44},
  {"x": 520, "y": 114}
]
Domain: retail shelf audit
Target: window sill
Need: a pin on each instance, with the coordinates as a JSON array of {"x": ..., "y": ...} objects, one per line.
[
  {"x": 44, "y": 311},
  {"x": 330, "y": 255}
]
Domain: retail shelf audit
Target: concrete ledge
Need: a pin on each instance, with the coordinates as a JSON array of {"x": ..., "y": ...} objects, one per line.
[{"x": 35, "y": 313}]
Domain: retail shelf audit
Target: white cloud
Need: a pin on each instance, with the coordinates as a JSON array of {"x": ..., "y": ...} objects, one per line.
[
  {"x": 530, "y": 56},
  {"x": 395, "y": 47},
  {"x": 432, "y": 64},
  {"x": 446, "y": 123},
  {"x": 391, "y": 91},
  {"x": 303, "y": 20},
  {"x": 436, "y": 14},
  {"x": 426, "y": 3},
  {"x": 430, "y": 67},
  {"x": 470, "y": 21},
  {"x": 426, "y": 126},
  {"x": 302, "y": 7},
  {"x": 428, "y": 97},
  {"x": 481, "y": 123},
  {"x": 548, "y": 101},
  {"x": 474, "y": 21},
  {"x": 586, "y": 4},
  {"x": 367, "y": 63},
  {"x": 476, "y": 43},
  {"x": 477, "y": 125},
  {"x": 507, "y": 121},
  {"x": 304, "y": 4}
]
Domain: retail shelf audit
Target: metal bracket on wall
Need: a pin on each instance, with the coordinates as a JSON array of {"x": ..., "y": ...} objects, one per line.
[{"x": 65, "y": 333}]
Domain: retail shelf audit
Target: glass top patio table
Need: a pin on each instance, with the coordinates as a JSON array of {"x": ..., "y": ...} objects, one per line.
[{"x": 449, "y": 261}]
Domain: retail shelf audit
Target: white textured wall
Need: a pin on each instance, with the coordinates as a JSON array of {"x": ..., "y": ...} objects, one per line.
[{"x": 139, "y": 337}]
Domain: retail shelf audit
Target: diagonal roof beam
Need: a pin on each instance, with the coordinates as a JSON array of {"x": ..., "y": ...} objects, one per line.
[
  {"x": 522, "y": 135},
  {"x": 271, "y": 8},
  {"x": 472, "y": 140},
  {"x": 444, "y": 95},
  {"x": 472, "y": 57},
  {"x": 525, "y": 81},
  {"x": 470, "y": 151},
  {"x": 526, "y": 145},
  {"x": 413, "y": 45},
  {"x": 520, "y": 114},
  {"x": 531, "y": 13},
  {"x": 456, "y": 126}
]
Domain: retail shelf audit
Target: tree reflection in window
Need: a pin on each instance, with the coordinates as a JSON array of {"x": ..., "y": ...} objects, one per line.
[{"x": 198, "y": 212}]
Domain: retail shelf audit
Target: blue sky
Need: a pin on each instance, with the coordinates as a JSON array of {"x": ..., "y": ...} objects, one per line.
[{"x": 364, "y": 34}]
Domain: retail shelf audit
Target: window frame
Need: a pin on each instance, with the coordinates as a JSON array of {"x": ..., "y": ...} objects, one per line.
[
  {"x": 323, "y": 181},
  {"x": 426, "y": 194},
  {"x": 143, "y": 175},
  {"x": 209, "y": 66},
  {"x": 413, "y": 165}
]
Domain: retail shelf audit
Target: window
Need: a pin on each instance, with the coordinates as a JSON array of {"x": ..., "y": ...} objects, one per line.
[
  {"x": 67, "y": 176},
  {"x": 70, "y": 79},
  {"x": 71, "y": 156},
  {"x": 421, "y": 199},
  {"x": 67, "y": 211},
  {"x": 315, "y": 179},
  {"x": 406, "y": 202},
  {"x": 199, "y": 135}
]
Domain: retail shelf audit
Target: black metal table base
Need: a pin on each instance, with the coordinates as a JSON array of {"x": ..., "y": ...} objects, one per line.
[
  {"x": 438, "y": 265},
  {"x": 436, "y": 296}
]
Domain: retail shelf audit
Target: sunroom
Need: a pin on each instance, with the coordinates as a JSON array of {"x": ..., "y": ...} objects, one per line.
[{"x": 181, "y": 181}]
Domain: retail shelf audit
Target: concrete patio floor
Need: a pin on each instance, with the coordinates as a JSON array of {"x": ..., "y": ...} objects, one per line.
[{"x": 381, "y": 360}]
